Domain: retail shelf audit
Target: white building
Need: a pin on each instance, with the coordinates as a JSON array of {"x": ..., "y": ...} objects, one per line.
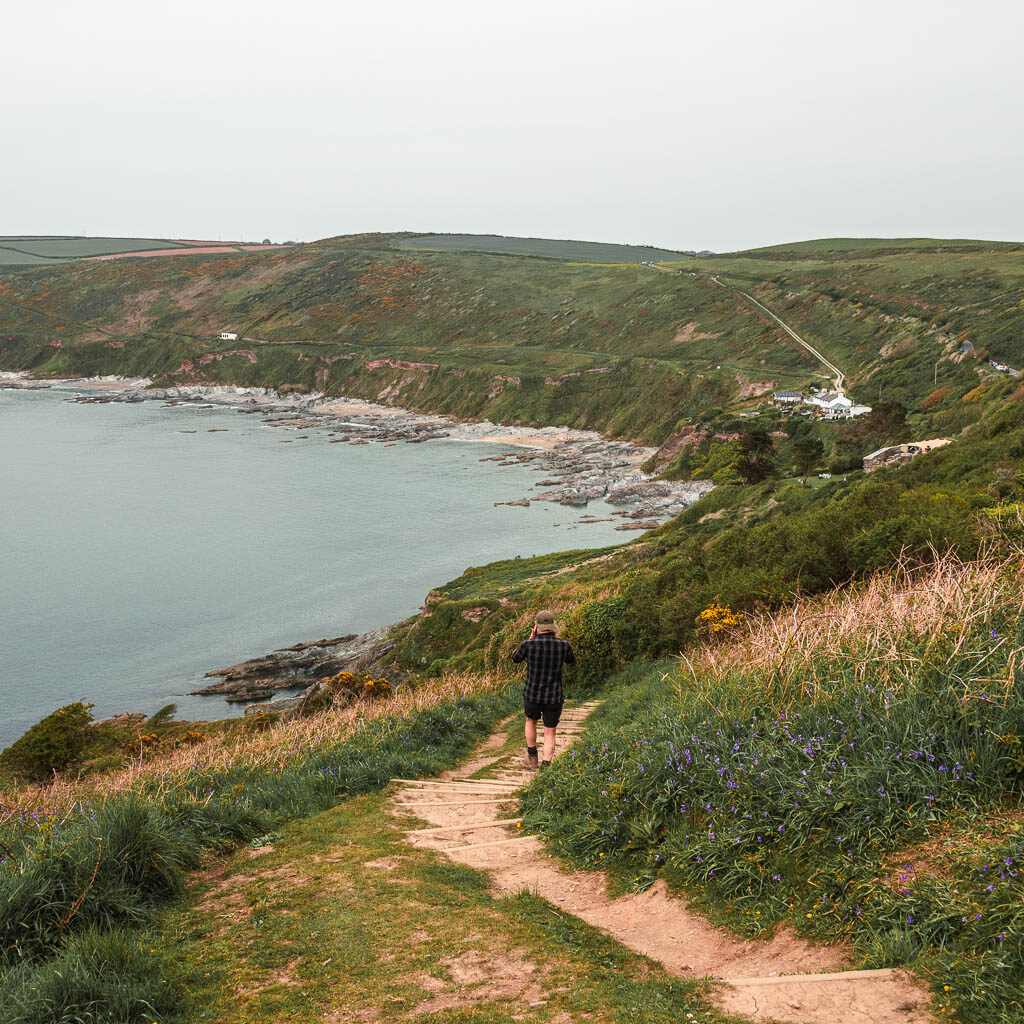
[
  {"x": 228, "y": 336},
  {"x": 836, "y": 406},
  {"x": 831, "y": 402},
  {"x": 787, "y": 397}
]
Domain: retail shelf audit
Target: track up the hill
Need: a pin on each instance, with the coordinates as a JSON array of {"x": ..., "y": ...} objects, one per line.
[{"x": 470, "y": 816}]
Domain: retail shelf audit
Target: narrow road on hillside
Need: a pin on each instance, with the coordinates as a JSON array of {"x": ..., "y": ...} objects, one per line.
[
  {"x": 840, "y": 376},
  {"x": 471, "y": 818}
]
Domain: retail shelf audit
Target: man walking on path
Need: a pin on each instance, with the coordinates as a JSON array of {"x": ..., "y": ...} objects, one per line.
[{"x": 544, "y": 654}]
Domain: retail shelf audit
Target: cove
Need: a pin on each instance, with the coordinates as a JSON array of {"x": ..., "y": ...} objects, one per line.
[{"x": 143, "y": 545}]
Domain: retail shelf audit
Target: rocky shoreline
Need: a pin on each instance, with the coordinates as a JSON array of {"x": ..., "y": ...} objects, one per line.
[
  {"x": 301, "y": 666},
  {"x": 578, "y": 466}
]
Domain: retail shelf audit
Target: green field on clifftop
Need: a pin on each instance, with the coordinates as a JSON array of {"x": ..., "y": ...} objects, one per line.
[{"x": 21, "y": 250}]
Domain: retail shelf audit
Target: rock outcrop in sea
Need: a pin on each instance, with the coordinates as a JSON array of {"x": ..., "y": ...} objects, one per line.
[{"x": 297, "y": 667}]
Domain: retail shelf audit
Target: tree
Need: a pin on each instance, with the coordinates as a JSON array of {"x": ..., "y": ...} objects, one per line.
[
  {"x": 807, "y": 451},
  {"x": 757, "y": 455},
  {"x": 885, "y": 424}
]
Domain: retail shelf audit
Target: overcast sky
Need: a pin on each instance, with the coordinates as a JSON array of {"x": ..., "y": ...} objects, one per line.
[{"x": 714, "y": 125}]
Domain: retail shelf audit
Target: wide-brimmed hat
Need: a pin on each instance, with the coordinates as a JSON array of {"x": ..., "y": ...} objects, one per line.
[{"x": 545, "y": 620}]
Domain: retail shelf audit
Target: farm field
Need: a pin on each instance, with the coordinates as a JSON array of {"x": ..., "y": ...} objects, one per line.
[
  {"x": 548, "y": 248},
  {"x": 69, "y": 247},
  {"x": 33, "y": 250},
  {"x": 191, "y": 249},
  {"x": 847, "y": 246}
]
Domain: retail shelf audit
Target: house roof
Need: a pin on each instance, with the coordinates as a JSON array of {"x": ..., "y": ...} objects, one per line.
[{"x": 882, "y": 451}]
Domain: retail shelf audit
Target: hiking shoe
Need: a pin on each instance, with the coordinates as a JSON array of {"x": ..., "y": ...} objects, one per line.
[
  {"x": 545, "y": 764},
  {"x": 531, "y": 759}
]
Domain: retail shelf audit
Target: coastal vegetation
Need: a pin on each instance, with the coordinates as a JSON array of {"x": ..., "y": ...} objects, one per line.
[
  {"x": 814, "y": 714},
  {"x": 851, "y": 766},
  {"x": 86, "y": 867},
  {"x": 547, "y": 248}
]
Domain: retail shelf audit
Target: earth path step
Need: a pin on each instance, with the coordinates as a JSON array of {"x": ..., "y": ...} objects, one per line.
[
  {"x": 755, "y": 980},
  {"x": 453, "y": 803},
  {"x": 460, "y": 787},
  {"x": 492, "y": 842}
]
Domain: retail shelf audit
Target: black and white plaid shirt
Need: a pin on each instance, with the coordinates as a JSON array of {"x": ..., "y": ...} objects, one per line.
[{"x": 544, "y": 654}]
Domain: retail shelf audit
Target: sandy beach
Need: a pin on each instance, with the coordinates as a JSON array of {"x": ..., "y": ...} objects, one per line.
[{"x": 525, "y": 440}]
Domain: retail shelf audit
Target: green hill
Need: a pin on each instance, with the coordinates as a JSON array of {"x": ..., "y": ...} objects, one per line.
[
  {"x": 852, "y": 246},
  {"x": 548, "y": 248},
  {"x": 547, "y": 341}
]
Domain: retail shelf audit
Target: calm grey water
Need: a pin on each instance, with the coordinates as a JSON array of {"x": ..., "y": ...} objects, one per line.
[{"x": 133, "y": 558}]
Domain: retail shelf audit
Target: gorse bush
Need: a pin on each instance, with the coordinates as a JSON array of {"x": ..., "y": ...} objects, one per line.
[
  {"x": 774, "y": 779},
  {"x": 51, "y": 745}
]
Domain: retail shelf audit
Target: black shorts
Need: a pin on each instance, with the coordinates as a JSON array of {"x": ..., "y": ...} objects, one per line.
[{"x": 551, "y": 713}]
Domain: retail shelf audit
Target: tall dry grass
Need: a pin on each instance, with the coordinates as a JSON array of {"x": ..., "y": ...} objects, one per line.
[
  {"x": 276, "y": 747},
  {"x": 960, "y": 615}
]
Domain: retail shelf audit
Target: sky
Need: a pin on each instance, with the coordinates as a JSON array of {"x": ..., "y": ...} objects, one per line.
[{"x": 718, "y": 125}]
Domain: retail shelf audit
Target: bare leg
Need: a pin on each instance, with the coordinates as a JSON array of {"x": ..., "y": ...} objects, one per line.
[
  {"x": 531, "y": 733},
  {"x": 549, "y": 742}
]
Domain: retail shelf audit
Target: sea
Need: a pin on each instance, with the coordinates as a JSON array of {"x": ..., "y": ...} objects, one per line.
[{"x": 143, "y": 545}]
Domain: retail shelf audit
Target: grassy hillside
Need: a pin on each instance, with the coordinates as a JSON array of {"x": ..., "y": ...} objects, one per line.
[
  {"x": 812, "y": 742},
  {"x": 631, "y": 350},
  {"x": 850, "y": 246},
  {"x": 852, "y": 767},
  {"x": 548, "y": 248}
]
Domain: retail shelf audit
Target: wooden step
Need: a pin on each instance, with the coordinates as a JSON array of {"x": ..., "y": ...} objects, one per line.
[
  {"x": 493, "y": 842},
  {"x": 462, "y": 828}
]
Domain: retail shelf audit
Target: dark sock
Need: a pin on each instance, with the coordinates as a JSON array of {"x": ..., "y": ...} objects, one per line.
[{"x": 532, "y": 751}]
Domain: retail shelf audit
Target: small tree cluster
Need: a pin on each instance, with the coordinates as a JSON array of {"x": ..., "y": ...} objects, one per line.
[{"x": 56, "y": 743}]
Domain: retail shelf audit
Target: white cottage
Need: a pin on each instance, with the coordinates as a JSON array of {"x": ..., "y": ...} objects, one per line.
[{"x": 832, "y": 404}]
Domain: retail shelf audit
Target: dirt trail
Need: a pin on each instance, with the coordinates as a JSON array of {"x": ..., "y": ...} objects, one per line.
[{"x": 473, "y": 820}]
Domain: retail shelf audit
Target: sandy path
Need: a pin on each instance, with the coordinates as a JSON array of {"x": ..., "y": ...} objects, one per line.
[{"x": 473, "y": 821}]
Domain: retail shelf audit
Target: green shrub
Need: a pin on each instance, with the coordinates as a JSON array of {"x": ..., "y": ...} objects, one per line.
[
  {"x": 110, "y": 866},
  {"x": 165, "y": 714},
  {"x": 52, "y": 745},
  {"x": 794, "y": 789}
]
